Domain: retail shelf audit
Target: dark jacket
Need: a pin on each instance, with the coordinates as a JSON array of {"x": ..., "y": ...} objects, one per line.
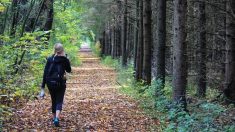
[{"x": 58, "y": 59}]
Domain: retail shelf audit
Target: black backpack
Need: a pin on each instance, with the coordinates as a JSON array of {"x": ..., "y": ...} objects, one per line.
[{"x": 54, "y": 77}]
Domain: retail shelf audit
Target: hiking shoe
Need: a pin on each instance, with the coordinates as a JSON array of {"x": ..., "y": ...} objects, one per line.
[{"x": 56, "y": 122}]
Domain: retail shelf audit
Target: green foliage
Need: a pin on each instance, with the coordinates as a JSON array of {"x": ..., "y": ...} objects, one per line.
[
  {"x": 24, "y": 84},
  {"x": 107, "y": 60},
  {"x": 67, "y": 29},
  {"x": 202, "y": 120},
  {"x": 23, "y": 59},
  {"x": 96, "y": 48},
  {"x": 2, "y": 5},
  {"x": 157, "y": 103}
]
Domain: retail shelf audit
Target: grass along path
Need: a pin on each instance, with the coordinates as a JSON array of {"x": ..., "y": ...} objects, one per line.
[{"x": 92, "y": 103}]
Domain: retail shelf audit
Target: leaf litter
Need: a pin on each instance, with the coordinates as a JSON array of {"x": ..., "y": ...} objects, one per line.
[{"x": 92, "y": 104}]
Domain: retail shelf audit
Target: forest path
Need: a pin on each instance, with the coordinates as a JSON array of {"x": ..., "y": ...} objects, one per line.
[{"x": 92, "y": 103}]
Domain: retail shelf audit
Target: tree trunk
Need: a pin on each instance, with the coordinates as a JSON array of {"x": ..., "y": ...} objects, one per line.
[
  {"x": 103, "y": 44},
  {"x": 127, "y": 38},
  {"x": 201, "y": 77},
  {"x": 50, "y": 17},
  {"x": 39, "y": 13},
  {"x": 160, "y": 46},
  {"x": 147, "y": 35},
  {"x": 107, "y": 42},
  {"x": 179, "y": 52},
  {"x": 119, "y": 47},
  {"x": 230, "y": 52},
  {"x": 22, "y": 32},
  {"x": 110, "y": 41},
  {"x": 15, "y": 11},
  {"x": 5, "y": 21},
  {"x": 139, "y": 54},
  {"x": 136, "y": 34},
  {"x": 124, "y": 34},
  {"x": 113, "y": 42},
  {"x": 26, "y": 18}
]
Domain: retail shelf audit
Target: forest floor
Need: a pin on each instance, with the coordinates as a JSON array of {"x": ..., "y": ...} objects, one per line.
[{"x": 92, "y": 103}]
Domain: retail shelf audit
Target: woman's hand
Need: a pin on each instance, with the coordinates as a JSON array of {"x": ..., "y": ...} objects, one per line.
[
  {"x": 42, "y": 93},
  {"x": 61, "y": 54}
]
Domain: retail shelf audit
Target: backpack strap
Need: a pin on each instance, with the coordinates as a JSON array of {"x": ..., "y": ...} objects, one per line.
[{"x": 51, "y": 66}]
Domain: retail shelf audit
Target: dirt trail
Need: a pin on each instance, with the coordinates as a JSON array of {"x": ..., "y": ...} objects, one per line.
[{"x": 92, "y": 103}]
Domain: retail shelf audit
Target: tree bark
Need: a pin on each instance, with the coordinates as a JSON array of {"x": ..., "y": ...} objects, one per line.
[
  {"x": 50, "y": 17},
  {"x": 26, "y": 18},
  {"x": 103, "y": 44},
  {"x": 147, "y": 36},
  {"x": 119, "y": 47},
  {"x": 124, "y": 34},
  {"x": 136, "y": 35},
  {"x": 113, "y": 42},
  {"x": 5, "y": 21},
  {"x": 160, "y": 45},
  {"x": 139, "y": 54},
  {"x": 110, "y": 41},
  {"x": 179, "y": 52},
  {"x": 107, "y": 42},
  {"x": 230, "y": 52},
  {"x": 201, "y": 77},
  {"x": 15, "y": 11},
  {"x": 42, "y": 6}
]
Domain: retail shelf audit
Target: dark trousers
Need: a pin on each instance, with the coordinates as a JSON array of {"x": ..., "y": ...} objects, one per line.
[{"x": 57, "y": 98}]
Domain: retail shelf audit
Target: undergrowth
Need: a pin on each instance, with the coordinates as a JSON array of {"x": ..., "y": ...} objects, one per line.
[
  {"x": 21, "y": 74},
  {"x": 203, "y": 116},
  {"x": 96, "y": 48}
]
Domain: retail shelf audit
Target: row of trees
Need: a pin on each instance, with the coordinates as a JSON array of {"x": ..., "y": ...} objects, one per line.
[
  {"x": 185, "y": 40},
  {"x": 26, "y": 16}
]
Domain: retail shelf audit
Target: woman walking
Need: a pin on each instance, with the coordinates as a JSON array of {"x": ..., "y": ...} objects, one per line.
[{"x": 53, "y": 76}]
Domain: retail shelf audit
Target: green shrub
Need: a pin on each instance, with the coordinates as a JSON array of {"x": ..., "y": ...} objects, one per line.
[
  {"x": 96, "y": 48},
  {"x": 157, "y": 103},
  {"x": 110, "y": 62}
]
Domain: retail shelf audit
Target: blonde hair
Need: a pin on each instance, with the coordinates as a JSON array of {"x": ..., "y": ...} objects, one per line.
[{"x": 58, "y": 48}]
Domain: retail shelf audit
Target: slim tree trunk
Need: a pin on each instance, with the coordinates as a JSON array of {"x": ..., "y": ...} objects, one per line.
[
  {"x": 106, "y": 42},
  {"x": 131, "y": 43},
  {"x": 139, "y": 54},
  {"x": 39, "y": 13},
  {"x": 147, "y": 33},
  {"x": 113, "y": 42},
  {"x": 119, "y": 47},
  {"x": 110, "y": 41},
  {"x": 50, "y": 17},
  {"x": 22, "y": 32},
  {"x": 230, "y": 52},
  {"x": 160, "y": 46},
  {"x": 5, "y": 21},
  {"x": 26, "y": 17},
  {"x": 201, "y": 77},
  {"x": 136, "y": 34},
  {"x": 49, "y": 22},
  {"x": 124, "y": 34},
  {"x": 128, "y": 39},
  {"x": 103, "y": 44},
  {"x": 179, "y": 52},
  {"x": 15, "y": 11}
]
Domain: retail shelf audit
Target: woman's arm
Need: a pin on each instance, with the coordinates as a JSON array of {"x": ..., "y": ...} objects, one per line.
[
  {"x": 44, "y": 74},
  {"x": 67, "y": 66}
]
